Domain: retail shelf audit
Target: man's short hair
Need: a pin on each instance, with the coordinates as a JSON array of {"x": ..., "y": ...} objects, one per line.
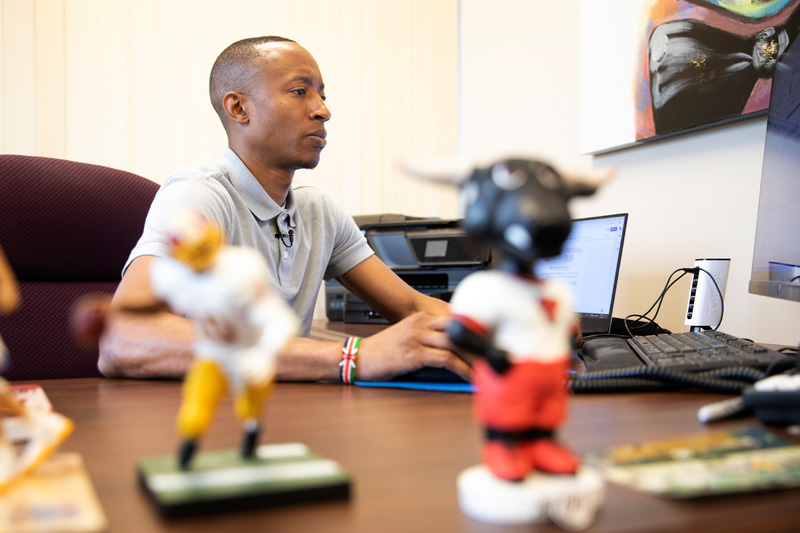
[{"x": 232, "y": 70}]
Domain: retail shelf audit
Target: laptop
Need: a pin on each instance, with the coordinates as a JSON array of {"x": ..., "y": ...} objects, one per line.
[{"x": 589, "y": 266}]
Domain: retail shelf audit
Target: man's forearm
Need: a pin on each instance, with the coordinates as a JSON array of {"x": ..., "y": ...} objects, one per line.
[
  {"x": 432, "y": 305},
  {"x": 161, "y": 345},
  {"x": 309, "y": 360},
  {"x": 158, "y": 345}
]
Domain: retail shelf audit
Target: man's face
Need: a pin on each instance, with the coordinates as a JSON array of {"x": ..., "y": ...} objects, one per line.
[{"x": 286, "y": 108}]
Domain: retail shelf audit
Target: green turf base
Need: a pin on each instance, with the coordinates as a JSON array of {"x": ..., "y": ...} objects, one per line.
[{"x": 222, "y": 481}]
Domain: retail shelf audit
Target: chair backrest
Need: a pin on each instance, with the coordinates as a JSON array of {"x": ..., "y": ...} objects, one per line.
[{"x": 67, "y": 229}]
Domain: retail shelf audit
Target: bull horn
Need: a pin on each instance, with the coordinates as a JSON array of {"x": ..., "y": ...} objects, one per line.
[
  {"x": 450, "y": 171},
  {"x": 594, "y": 180}
]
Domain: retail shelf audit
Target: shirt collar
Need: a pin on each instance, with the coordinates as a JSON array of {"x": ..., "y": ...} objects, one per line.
[{"x": 258, "y": 201}]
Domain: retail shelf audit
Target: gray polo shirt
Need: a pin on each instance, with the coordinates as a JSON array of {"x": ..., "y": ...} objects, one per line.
[{"x": 327, "y": 242}]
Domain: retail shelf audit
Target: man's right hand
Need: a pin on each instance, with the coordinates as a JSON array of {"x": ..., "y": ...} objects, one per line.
[{"x": 417, "y": 341}]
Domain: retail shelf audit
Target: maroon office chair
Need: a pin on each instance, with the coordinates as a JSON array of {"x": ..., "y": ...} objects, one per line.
[{"x": 67, "y": 229}]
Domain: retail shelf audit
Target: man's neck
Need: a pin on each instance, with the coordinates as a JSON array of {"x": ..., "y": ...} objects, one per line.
[{"x": 275, "y": 181}]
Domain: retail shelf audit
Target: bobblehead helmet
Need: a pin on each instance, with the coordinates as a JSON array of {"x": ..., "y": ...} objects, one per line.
[
  {"x": 520, "y": 207},
  {"x": 194, "y": 240}
]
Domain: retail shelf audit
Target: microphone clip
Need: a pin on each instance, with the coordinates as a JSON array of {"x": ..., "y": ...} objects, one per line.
[{"x": 283, "y": 236}]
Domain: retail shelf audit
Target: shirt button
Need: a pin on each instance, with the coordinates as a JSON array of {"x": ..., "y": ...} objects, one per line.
[{"x": 286, "y": 254}]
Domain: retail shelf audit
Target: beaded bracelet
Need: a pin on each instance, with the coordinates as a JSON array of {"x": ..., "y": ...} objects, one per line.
[{"x": 348, "y": 363}]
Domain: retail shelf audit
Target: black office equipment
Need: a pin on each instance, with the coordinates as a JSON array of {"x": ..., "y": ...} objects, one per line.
[
  {"x": 430, "y": 374},
  {"x": 774, "y": 407},
  {"x": 687, "y": 352},
  {"x": 608, "y": 353},
  {"x": 434, "y": 256},
  {"x": 430, "y": 254},
  {"x": 776, "y": 253},
  {"x": 699, "y": 351}
]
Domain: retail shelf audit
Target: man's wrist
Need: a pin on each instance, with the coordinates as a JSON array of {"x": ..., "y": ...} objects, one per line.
[{"x": 347, "y": 366}]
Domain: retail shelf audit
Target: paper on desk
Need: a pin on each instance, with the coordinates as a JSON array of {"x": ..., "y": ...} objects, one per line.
[
  {"x": 57, "y": 497},
  {"x": 35, "y": 401},
  {"x": 420, "y": 385},
  {"x": 716, "y": 462}
]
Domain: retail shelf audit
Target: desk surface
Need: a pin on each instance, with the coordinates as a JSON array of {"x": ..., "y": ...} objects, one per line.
[{"x": 403, "y": 448}]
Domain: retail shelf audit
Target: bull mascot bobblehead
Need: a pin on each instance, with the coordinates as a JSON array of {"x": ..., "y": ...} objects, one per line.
[{"x": 521, "y": 331}]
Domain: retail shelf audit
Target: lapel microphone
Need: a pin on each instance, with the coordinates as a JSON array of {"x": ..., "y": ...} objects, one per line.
[{"x": 282, "y": 237}]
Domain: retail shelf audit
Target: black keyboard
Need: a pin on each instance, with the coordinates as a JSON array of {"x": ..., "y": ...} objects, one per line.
[{"x": 698, "y": 351}]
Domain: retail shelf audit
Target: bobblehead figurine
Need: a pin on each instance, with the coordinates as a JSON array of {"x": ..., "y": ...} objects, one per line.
[
  {"x": 42, "y": 433},
  {"x": 241, "y": 326},
  {"x": 520, "y": 328}
]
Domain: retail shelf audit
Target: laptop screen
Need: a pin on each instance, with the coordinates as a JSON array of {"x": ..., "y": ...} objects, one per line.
[{"x": 589, "y": 266}]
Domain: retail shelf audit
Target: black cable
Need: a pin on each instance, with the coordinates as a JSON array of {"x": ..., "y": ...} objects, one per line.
[
  {"x": 654, "y": 379},
  {"x": 608, "y": 385},
  {"x": 658, "y": 302},
  {"x": 747, "y": 374},
  {"x": 744, "y": 373},
  {"x": 605, "y": 336}
]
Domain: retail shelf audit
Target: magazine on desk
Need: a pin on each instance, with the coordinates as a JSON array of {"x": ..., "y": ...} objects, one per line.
[
  {"x": 58, "y": 496},
  {"x": 705, "y": 464},
  {"x": 35, "y": 401}
]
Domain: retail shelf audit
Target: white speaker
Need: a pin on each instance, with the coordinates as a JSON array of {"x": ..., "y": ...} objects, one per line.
[{"x": 705, "y": 301}]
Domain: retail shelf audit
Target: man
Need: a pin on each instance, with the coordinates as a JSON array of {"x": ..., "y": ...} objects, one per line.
[{"x": 270, "y": 97}]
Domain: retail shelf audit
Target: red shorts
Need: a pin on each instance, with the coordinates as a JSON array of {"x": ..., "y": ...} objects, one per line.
[{"x": 530, "y": 395}]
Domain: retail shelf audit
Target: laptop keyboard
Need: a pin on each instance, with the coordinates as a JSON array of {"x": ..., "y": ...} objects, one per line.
[{"x": 698, "y": 351}]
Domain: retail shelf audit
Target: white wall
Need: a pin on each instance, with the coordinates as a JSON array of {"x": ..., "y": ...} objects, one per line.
[
  {"x": 124, "y": 83},
  {"x": 691, "y": 196}
]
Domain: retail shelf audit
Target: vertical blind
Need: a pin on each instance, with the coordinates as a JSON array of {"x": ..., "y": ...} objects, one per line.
[{"x": 124, "y": 83}]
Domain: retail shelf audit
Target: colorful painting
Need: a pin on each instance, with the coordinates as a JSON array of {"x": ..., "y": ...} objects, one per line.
[{"x": 694, "y": 63}]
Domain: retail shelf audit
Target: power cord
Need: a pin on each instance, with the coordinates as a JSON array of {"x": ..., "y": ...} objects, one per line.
[
  {"x": 657, "y": 304},
  {"x": 730, "y": 380},
  {"x": 650, "y": 378},
  {"x": 634, "y": 322}
]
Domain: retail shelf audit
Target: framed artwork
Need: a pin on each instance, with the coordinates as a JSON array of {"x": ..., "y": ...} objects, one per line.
[{"x": 657, "y": 68}]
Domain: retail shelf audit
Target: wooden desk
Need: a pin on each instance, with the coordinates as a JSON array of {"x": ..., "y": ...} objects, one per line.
[{"x": 403, "y": 448}]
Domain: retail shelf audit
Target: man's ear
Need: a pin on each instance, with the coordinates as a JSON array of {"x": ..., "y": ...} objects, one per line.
[{"x": 235, "y": 107}]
